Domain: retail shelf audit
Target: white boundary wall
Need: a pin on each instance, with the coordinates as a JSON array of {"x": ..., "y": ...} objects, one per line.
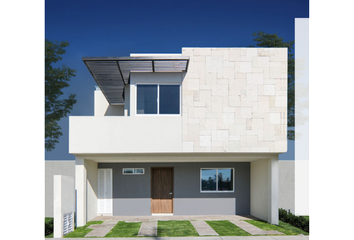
[
  {"x": 64, "y": 205},
  {"x": 302, "y": 116},
  {"x": 55, "y": 167}
]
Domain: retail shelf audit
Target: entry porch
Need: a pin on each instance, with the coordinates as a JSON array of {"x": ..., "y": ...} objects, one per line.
[{"x": 253, "y": 190}]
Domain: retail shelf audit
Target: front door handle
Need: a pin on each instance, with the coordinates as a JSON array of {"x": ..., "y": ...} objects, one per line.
[{"x": 170, "y": 193}]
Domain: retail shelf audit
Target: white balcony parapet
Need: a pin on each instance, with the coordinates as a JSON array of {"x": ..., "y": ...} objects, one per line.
[{"x": 118, "y": 134}]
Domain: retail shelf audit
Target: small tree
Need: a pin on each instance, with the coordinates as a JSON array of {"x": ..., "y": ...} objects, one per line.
[
  {"x": 272, "y": 40},
  {"x": 55, "y": 80}
]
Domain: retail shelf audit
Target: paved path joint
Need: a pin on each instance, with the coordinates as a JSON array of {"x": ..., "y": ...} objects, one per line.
[
  {"x": 203, "y": 228},
  {"x": 148, "y": 229},
  {"x": 100, "y": 230},
  {"x": 251, "y": 229}
]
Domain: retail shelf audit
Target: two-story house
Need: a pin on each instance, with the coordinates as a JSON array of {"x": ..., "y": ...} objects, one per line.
[{"x": 196, "y": 133}]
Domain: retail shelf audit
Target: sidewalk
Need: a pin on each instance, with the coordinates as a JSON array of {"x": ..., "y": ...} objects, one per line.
[{"x": 299, "y": 237}]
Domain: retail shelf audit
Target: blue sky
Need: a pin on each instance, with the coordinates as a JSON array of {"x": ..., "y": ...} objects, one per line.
[{"x": 118, "y": 28}]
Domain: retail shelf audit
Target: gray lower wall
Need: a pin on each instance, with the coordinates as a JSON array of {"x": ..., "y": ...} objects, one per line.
[
  {"x": 131, "y": 193},
  {"x": 131, "y": 206},
  {"x": 207, "y": 206},
  {"x": 188, "y": 198}
]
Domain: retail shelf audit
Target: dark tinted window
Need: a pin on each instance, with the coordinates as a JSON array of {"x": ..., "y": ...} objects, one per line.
[
  {"x": 147, "y": 99},
  {"x": 225, "y": 180},
  {"x": 169, "y": 99},
  {"x": 208, "y": 179}
]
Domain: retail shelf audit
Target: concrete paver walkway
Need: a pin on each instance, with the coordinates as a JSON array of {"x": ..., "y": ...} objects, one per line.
[
  {"x": 203, "y": 228},
  {"x": 100, "y": 230},
  {"x": 251, "y": 229},
  {"x": 148, "y": 229}
]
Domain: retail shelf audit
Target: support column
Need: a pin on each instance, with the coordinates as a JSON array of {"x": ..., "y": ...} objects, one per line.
[
  {"x": 64, "y": 205},
  {"x": 57, "y": 211},
  {"x": 273, "y": 190},
  {"x": 80, "y": 187}
]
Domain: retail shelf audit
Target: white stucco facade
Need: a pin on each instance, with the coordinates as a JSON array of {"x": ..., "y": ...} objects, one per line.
[
  {"x": 232, "y": 100},
  {"x": 233, "y": 108}
]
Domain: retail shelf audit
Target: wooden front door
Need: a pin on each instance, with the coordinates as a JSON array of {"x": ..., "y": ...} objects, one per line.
[{"x": 161, "y": 190}]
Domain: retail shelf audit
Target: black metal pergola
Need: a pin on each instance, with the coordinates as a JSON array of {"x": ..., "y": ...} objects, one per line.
[{"x": 113, "y": 73}]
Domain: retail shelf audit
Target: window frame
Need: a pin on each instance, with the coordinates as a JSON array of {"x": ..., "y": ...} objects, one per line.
[
  {"x": 217, "y": 179},
  {"x": 158, "y": 99},
  {"x": 133, "y": 171}
]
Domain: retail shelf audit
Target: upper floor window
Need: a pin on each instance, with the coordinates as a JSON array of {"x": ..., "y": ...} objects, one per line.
[{"x": 158, "y": 99}]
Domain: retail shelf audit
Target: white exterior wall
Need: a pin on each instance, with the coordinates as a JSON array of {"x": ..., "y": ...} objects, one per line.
[
  {"x": 232, "y": 100},
  {"x": 86, "y": 190},
  {"x": 265, "y": 190},
  {"x": 124, "y": 134},
  {"x": 60, "y": 167},
  {"x": 92, "y": 189},
  {"x": 113, "y": 134},
  {"x": 102, "y": 108},
  {"x": 302, "y": 156},
  {"x": 81, "y": 189},
  {"x": 259, "y": 189},
  {"x": 287, "y": 185},
  {"x": 294, "y": 186},
  {"x": 302, "y": 187},
  {"x": 235, "y": 100},
  {"x": 64, "y": 201}
]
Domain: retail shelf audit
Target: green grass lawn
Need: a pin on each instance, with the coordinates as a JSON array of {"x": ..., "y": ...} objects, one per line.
[
  {"x": 124, "y": 229},
  {"x": 292, "y": 228},
  {"x": 80, "y": 232},
  {"x": 184, "y": 229},
  {"x": 285, "y": 228},
  {"x": 175, "y": 229},
  {"x": 50, "y": 235},
  {"x": 226, "y": 228}
]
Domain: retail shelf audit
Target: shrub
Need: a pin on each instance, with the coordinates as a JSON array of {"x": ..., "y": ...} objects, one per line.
[
  {"x": 48, "y": 227},
  {"x": 297, "y": 221}
]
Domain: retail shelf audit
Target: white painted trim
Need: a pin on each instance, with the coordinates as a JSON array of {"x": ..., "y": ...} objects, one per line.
[
  {"x": 177, "y": 157},
  {"x": 216, "y": 191},
  {"x": 161, "y": 214}
]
